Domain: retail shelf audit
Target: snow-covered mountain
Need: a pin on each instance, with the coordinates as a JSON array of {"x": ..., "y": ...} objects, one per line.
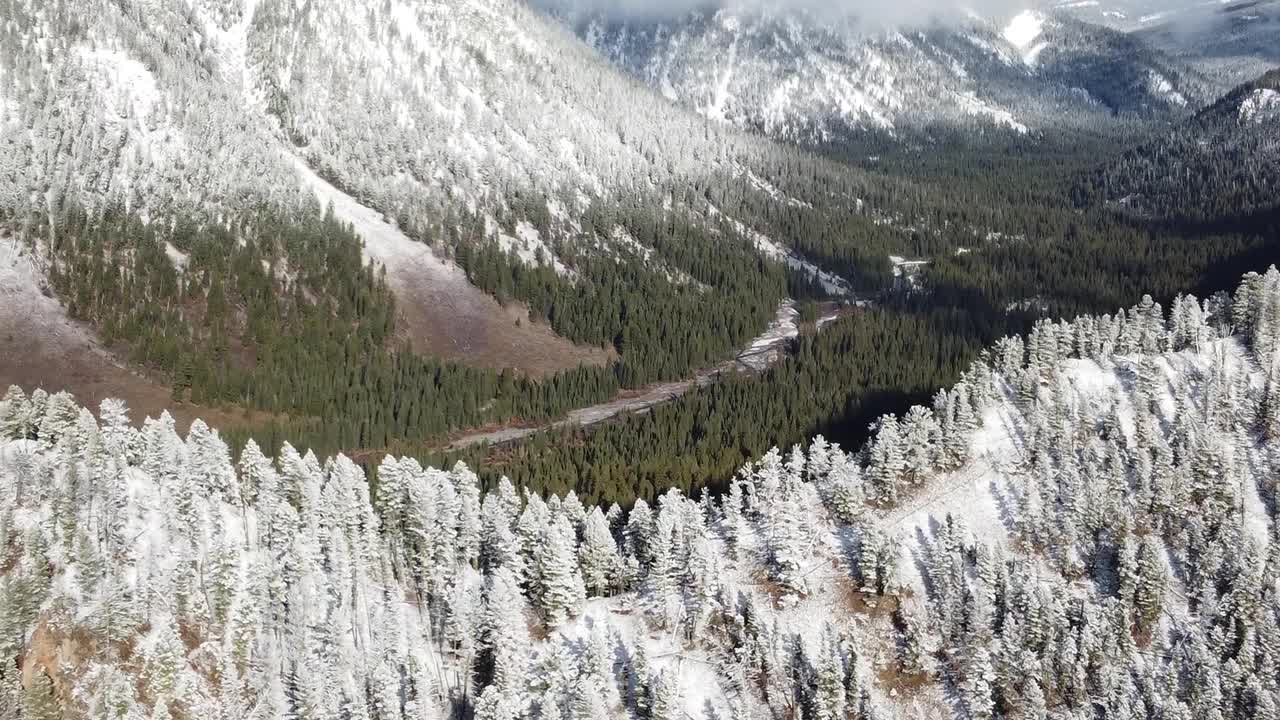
[
  {"x": 804, "y": 76},
  {"x": 428, "y": 112},
  {"x": 1084, "y": 524},
  {"x": 1229, "y": 42}
]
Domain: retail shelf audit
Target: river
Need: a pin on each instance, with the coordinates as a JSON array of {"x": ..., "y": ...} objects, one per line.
[{"x": 765, "y": 350}]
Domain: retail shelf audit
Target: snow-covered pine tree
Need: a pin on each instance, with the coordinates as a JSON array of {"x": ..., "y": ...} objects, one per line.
[
  {"x": 829, "y": 701},
  {"x": 601, "y": 563},
  {"x": 886, "y": 461},
  {"x": 666, "y": 697},
  {"x": 505, "y": 637},
  {"x": 562, "y": 591}
]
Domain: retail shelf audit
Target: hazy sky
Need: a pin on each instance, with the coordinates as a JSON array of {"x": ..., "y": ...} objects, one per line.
[{"x": 871, "y": 12}]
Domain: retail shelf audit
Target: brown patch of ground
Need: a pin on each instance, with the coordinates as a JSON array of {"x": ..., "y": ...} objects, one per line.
[
  {"x": 49, "y": 652},
  {"x": 474, "y": 329},
  {"x": 40, "y": 346},
  {"x": 440, "y": 312},
  {"x": 893, "y": 682}
]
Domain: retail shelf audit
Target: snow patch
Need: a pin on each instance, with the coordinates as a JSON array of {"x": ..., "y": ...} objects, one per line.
[
  {"x": 177, "y": 257},
  {"x": 1023, "y": 29},
  {"x": 760, "y": 354},
  {"x": 527, "y": 245},
  {"x": 135, "y": 85},
  {"x": 971, "y": 105},
  {"x": 907, "y": 269},
  {"x": 1261, "y": 105},
  {"x": 831, "y": 283},
  {"x": 1159, "y": 85}
]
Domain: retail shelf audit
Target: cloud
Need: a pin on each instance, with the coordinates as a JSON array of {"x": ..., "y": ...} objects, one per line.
[{"x": 861, "y": 13}]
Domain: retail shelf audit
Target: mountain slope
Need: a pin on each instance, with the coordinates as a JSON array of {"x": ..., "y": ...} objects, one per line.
[
  {"x": 1221, "y": 165},
  {"x": 1084, "y": 513},
  {"x": 1228, "y": 42},
  {"x": 802, "y": 76}
]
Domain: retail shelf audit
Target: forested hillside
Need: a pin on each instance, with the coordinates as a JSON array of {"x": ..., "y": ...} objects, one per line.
[
  {"x": 1084, "y": 523},
  {"x": 1219, "y": 169}
]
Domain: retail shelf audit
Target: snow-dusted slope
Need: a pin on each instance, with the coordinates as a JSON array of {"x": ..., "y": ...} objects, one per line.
[
  {"x": 472, "y": 122},
  {"x": 803, "y": 76},
  {"x": 38, "y": 341},
  {"x": 128, "y": 108},
  {"x": 1260, "y": 106},
  {"x": 441, "y": 312},
  {"x": 1083, "y": 511}
]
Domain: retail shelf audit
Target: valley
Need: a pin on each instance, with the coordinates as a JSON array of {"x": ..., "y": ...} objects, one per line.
[
  {"x": 1042, "y": 507},
  {"x": 603, "y": 360}
]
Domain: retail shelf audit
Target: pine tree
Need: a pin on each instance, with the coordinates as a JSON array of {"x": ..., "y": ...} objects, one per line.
[
  {"x": 117, "y": 435},
  {"x": 639, "y": 533},
  {"x": 16, "y": 421},
  {"x": 601, "y": 563},
  {"x": 506, "y": 636},
  {"x": 913, "y": 657},
  {"x": 562, "y": 590},
  {"x": 784, "y": 536},
  {"x": 1151, "y": 584},
  {"x": 495, "y": 704},
  {"x": 847, "y": 499},
  {"x": 466, "y": 486},
  {"x": 1035, "y": 705},
  {"x": 641, "y": 685},
  {"x": 887, "y": 463},
  {"x": 829, "y": 692},
  {"x": 666, "y": 697},
  {"x": 979, "y": 684},
  {"x": 40, "y": 699}
]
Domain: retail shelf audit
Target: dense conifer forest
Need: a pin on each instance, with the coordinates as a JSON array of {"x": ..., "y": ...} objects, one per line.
[{"x": 834, "y": 382}]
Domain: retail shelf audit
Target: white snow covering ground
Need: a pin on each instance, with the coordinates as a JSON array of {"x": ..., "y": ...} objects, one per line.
[
  {"x": 434, "y": 296},
  {"x": 761, "y": 353},
  {"x": 1261, "y": 105},
  {"x": 970, "y": 103},
  {"x": 137, "y": 86},
  {"x": 1023, "y": 31},
  {"x": 385, "y": 243},
  {"x": 984, "y": 493},
  {"x": 176, "y": 256},
  {"x": 831, "y": 283},
  {"x": 906, "y": 269},
  {"x": 528, "y": 246},
  {"x": 1159, "y": 85}
]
